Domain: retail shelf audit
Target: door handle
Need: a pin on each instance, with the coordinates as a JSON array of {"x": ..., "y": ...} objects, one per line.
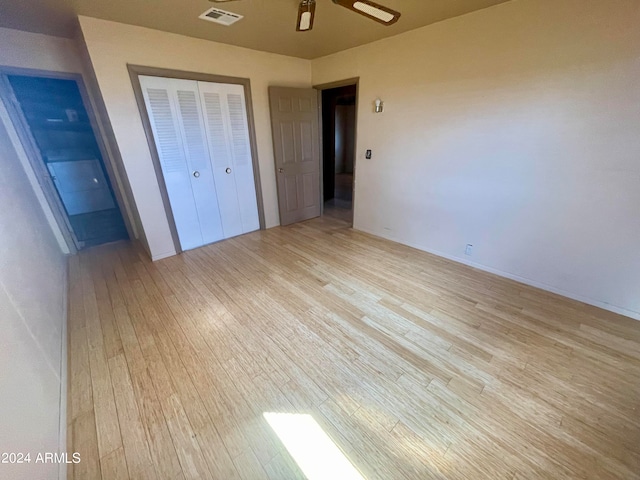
[
  {"x": 228, "y": 170},
  {"x": 196, "y": 174},
  {"x": 281, "y": 170}
]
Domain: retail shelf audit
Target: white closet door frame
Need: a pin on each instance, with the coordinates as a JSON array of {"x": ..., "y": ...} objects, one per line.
[{"x": 135, "y": 71}]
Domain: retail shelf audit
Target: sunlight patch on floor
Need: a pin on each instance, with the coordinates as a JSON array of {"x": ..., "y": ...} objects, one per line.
[{"x": 312, "y": 449}]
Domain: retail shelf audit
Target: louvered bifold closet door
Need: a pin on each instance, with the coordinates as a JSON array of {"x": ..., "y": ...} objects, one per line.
[
  {"x": 175, "y": 115},
  {"x": 230, "y": 149},
  {"x": 162, "y": 112},
  {"x": 195, "y": 141}
]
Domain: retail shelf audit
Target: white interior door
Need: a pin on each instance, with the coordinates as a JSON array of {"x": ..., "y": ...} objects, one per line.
[
  {"x": 228, "y": 136},
  {"x": 202, "y": 137},
  {"x": 194, "y": 139},
  {"x": 294, "y": 124},
  {"x": 162, "y": 112},
  {"x": 178, "y": 129}
]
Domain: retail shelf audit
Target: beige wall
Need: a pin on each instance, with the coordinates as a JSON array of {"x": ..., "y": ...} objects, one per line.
[
  {"x": 43, "y": 52},
  {"x": 32, "y": 322},
  {"x": 32, "y": 282},
  {"x": 515, "y": 129},
  {"x": 112, "y": 45}
]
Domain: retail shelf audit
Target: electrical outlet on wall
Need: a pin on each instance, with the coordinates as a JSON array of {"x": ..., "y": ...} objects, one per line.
[{"x": 468, "y": 249}]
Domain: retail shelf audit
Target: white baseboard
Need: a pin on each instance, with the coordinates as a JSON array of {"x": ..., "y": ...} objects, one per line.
[
  {"x": 162, "y": 255},
  {"x": 532, "y": 283},
  {"x": 62, "y": 473}
]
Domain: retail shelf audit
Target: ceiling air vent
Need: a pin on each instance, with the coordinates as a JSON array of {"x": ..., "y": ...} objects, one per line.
[{"x": 221, "y": 16}]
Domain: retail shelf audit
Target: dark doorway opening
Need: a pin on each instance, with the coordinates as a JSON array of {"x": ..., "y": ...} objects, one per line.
[
  {"x": 59, "y": 123},
  {"x": 338, "y": 147}
]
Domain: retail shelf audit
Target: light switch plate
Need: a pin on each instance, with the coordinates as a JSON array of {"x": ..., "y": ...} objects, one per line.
[{"x": 368, "y": 155}]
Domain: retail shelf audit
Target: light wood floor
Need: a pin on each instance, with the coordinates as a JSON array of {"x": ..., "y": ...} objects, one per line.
[
  {"x": 416, "y": 367},
  {"x": 337, "y": 211}
]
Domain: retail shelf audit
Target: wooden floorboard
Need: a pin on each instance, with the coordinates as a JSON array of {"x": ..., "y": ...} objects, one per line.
[{"x": 415, "y": 367}]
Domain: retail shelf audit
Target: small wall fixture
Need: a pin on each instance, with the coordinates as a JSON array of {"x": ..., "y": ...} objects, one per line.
[{"x": 379, "y": 106}]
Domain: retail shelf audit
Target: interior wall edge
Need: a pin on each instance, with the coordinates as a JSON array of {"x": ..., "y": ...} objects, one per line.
[
  {"x": 33, "y": 302},
  {"x": 64, "y": 372},
  {"x": 121, "y": 180},
  {"x": 161, "y": 256},
  {"x": 511, "y": 276},
  {"x": 29, "y": 330},
  {"x": 33, "y": 181}
]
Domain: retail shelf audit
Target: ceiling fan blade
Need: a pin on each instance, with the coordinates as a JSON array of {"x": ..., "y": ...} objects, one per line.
[
  {"x": 371, "y": 10},
  {"x": 306, "y": 15}
]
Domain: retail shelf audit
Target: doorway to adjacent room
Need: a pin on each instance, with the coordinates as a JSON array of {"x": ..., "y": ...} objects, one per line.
[
  {"x": 338, "y": 141},
  {"x": 56, "y": 123}
]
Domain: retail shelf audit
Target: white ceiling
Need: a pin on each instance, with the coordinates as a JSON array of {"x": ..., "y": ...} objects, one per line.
[{"x": 269, "y": 25}]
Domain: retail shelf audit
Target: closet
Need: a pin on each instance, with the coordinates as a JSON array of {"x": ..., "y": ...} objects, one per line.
[{"x": 201, "y": 134}]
